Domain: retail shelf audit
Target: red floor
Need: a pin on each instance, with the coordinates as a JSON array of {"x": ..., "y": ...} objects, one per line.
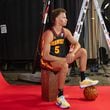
[{"x": 28, "y": 97}]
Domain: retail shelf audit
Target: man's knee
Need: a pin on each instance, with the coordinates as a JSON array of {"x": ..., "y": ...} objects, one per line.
[{"x": 83, "y": 51}]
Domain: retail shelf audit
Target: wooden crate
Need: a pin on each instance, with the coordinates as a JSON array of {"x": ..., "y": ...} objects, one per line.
[{"x": 49, "y": 82}]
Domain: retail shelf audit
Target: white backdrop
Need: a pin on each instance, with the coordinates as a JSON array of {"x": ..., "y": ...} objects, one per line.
[{"x": 94, "y": 36}]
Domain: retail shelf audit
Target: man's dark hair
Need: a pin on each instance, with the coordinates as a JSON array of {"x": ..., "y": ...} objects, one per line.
[{"x": 55, "y": 13}]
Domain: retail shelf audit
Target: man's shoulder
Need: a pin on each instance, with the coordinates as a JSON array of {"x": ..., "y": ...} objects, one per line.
[
  {"x": 66, "y": 31},
  {"x": 48, "y": 31},
  {"x": 47, "y": 35}
]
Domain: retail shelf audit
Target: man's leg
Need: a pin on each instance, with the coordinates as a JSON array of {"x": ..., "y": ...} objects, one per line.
[
  {"x": 62, "y": 68},
  {"x": 82, "y": 56}
]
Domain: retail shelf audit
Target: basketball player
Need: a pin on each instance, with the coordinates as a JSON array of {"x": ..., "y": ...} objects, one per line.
[{"x": 57, "y": 55}]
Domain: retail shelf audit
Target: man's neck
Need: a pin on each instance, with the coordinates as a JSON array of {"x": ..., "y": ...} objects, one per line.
[{"x": 57, "y": 29}]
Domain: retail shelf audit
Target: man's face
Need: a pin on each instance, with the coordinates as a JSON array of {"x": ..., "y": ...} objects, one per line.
[{"x": 61, "y": 19}]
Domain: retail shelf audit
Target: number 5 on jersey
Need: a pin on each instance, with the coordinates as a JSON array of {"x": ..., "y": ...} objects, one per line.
[{"x": 57, "y": 50}]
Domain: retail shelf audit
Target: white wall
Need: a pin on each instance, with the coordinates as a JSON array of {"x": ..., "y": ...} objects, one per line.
[{"x": 101, "y": 36}]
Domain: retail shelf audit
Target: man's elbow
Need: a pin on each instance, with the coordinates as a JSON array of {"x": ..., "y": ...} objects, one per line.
[{"x": 78, "y": 45}]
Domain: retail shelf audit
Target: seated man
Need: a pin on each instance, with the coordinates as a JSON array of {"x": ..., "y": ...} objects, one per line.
[{"x": 57, "y": 54}]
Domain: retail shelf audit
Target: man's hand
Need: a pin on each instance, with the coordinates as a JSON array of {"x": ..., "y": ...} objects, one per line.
[{"x": 70, "y": 57}]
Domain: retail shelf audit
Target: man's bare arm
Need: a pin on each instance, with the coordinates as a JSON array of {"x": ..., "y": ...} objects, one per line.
[{"x": 74, "y": 44}]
